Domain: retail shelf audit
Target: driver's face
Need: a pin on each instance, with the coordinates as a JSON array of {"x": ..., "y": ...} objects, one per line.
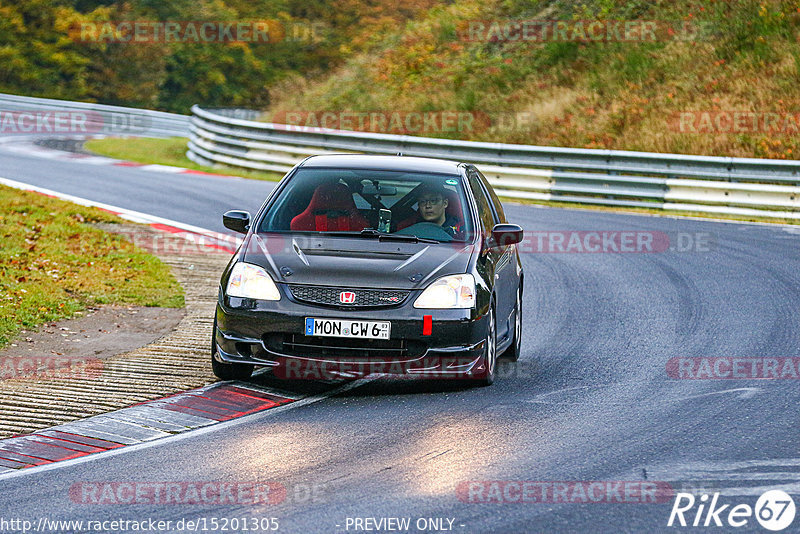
[{"x": 432, "y": 207}]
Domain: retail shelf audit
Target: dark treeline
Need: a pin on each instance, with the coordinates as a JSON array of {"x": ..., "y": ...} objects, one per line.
[{"x": 46, "y": 51}]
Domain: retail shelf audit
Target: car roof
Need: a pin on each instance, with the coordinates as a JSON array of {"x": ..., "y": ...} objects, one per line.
[{"x": 388, "y": 163}]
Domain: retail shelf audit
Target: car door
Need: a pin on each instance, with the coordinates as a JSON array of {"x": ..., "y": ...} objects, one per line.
[
  {"x": 496, "y": 262},
  {"x": 505, "y": 270}
]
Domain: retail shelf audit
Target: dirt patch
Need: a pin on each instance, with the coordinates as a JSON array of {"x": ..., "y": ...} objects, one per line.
[
  {"x": 148, "y": 356},
  {"x": 97, "y": 333}
]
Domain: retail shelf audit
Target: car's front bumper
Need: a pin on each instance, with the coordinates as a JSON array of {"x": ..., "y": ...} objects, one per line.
[{"x": 272, "y": 334}]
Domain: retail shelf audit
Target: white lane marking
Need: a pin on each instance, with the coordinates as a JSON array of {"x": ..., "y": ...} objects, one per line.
[
  {"x": 92, "y": 160},
  {"x": 126, "y": 429},
  {"x": 574, "y": 388},
  {"x": 542, "y": 398},
  {"x": 153, "y": 415},
  {"x": 188, "y": 434},
  {"x": 757, "y": 491},
  {"x": 270, "y": 390},
  {"x": 745, "y": 476},
  {"x": 747, "y": 393},
  {"x": 148, "y": 422},
  {"x": 130, "y": 215},
  {"x": 694, "y": 467},
  {"x": 730, "y": 478},
  {"x": 27, "y": 147},
  {"x": 161, "y": 168}
]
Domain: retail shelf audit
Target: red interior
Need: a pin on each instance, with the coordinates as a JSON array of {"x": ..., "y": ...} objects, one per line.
[{"x": 331, "y": 208}]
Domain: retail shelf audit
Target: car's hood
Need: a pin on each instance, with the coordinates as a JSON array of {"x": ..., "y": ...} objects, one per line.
[{"x": 355, "y": 262}]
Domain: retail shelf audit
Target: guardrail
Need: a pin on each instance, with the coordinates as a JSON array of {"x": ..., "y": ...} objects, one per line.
[
  {"x": 83, "y": 118},
  {"x": 736, "y": 186},
  {"x": 739, "y": 186}
]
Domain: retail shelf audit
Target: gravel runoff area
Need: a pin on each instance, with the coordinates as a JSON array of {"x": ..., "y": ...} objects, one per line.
[{"x": 113, "y": 357}]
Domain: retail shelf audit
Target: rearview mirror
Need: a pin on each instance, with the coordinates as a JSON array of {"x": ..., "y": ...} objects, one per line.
[
  {"x": 505, "y": 234},
  {"x": 370, "y": 189},
  {"x": 236, "y": 220}
]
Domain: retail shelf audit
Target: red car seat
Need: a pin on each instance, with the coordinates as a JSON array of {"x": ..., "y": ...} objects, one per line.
[{"x": 331, "y": 208}]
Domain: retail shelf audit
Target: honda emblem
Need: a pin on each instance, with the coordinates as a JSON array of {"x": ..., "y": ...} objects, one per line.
[{"x": 347, "y": 297}]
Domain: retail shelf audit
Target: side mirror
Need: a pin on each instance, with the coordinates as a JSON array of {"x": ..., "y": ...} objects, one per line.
[
  {"x": 238, "y": 221},
  {"x": 504, "y": 235}
]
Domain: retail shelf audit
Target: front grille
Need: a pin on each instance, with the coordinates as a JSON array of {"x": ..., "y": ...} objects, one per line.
[
  {"x": 329, "y": 296},
  {"x": 336, "y": 347}
]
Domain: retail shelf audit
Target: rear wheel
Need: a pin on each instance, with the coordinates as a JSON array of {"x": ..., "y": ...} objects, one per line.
[
  {"x": 486, "y": 378},
  {"x": 513, "y": 351},
  {"x": 227, "y": 371}
]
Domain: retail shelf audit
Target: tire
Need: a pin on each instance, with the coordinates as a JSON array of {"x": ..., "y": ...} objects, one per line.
[
  {"x": 486, "y": 378},
  {"x": 227, "y": 371},
  {"x": 513, "y": 351}
]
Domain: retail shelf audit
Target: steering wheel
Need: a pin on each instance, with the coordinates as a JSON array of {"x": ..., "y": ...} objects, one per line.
[{"x": 426, "y": 230}]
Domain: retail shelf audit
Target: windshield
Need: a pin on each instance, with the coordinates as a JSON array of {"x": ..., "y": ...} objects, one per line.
[{"x": 325, "y": 200}]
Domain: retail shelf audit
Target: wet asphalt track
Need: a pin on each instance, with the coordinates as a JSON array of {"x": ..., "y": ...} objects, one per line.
[{"x": 589, "y": 400}]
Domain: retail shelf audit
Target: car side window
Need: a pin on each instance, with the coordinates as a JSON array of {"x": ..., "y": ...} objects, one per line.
[
  {"x": 485, "y": 213},
  {"x": 501, "y": 216}
]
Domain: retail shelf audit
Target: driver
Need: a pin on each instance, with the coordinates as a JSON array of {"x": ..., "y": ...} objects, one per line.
[{"x": 432, "y": 205}]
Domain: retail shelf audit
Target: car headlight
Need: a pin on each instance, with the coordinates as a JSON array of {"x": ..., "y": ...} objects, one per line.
[
  {"x": 455, "y": 291},
  {"x": 251, "y": 282}
]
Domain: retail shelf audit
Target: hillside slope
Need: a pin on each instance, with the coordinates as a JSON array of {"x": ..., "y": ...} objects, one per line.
[{"x": 714, "y": 77}]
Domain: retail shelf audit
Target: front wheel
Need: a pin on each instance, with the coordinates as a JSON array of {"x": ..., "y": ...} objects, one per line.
[
  {"x": 231, "y": 371},
  {"x": 486, "y": 378},
  {"x": 227, "y": 371},
  {"x": 513, "y": 351}
]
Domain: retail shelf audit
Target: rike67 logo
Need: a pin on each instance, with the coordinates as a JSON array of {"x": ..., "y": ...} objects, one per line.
[{"x": 774, "y": 510}]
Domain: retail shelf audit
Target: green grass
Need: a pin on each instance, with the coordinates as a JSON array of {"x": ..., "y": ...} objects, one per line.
[
  {"x": 53, "y": 264},
  {"x": 170, "y": 151}
]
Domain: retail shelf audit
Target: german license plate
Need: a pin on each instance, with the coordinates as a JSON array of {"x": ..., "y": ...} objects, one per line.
[{"x": 347, "y": 328}]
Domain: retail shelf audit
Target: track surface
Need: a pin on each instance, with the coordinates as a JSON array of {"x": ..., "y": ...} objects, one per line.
[{"x": 589, "y": 400}]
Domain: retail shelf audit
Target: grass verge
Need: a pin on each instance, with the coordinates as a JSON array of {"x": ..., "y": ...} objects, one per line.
[
  {"x": 53, "y": 264},
  {"x": 171, "y": 151}
]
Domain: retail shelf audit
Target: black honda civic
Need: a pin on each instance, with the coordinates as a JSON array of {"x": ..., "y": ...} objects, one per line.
[{"x": 360, "y": 264}]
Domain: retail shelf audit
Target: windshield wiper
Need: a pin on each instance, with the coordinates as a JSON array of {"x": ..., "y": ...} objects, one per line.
[{"x": 372, "y": 233}]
